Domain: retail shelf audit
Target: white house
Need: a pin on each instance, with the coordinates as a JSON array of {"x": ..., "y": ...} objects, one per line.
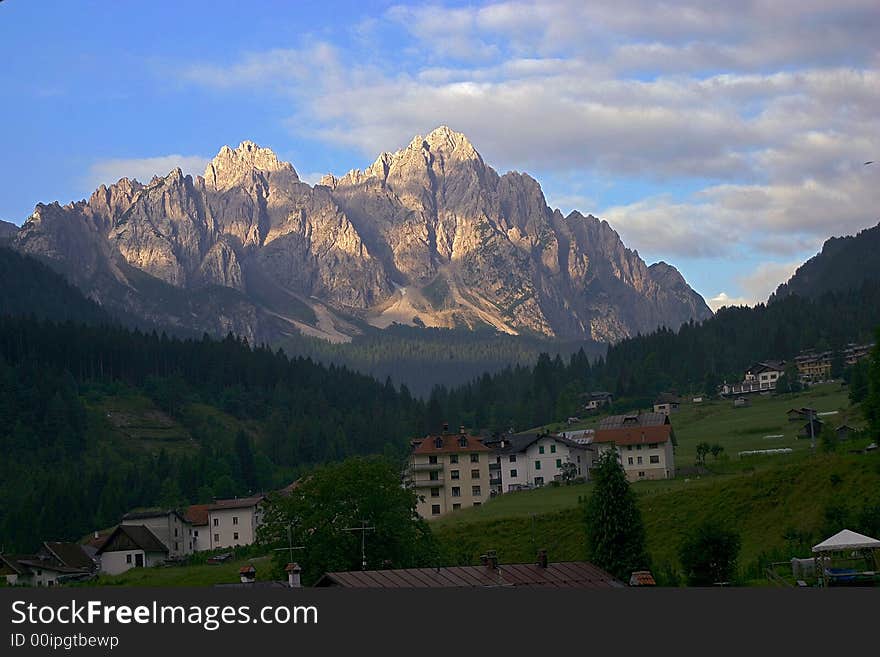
[
  {"x": 644, "y": 444},
  {"x": 131, "y": 546},
  {"x": 197, "y": 516},
  {"x": 175, "y": 532},
  {"x": 534, "y": 459},
  {"x": 233, "y": 522},
  {"x": 54, "y": 563}
]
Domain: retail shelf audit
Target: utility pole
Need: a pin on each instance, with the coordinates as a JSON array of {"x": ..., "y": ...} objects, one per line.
[{"x": 363, "y": 529}]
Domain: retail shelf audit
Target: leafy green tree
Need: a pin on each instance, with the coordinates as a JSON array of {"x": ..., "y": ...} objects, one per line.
[
  {"x": 708, "y": 555},
  {"x": 872, "y": 402},
  {"x": 857, "y": 378},
  {"x": 790, "y": 380},
  {"x": 615, "y": 532},
  {"x": 703, "y": 449},
  {"x": 333, "y": 500},
  {"x": 716, "y": 450}
]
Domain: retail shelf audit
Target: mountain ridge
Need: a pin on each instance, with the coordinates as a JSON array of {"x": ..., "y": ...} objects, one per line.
[{"x": 427, "y": 235}]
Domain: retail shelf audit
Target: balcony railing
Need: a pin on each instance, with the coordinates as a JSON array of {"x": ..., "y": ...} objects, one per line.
[
  {"x": 428, "y": 483},
  {"x": 426, "y": 467}
]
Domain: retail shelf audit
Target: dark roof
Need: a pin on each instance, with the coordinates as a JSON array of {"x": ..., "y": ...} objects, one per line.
[
  {"x": 197, "y": 514},
  {"x": 13, "y": 561},
  {"x": 253, "y": 585},
  {"x": 634, "y": 435},
  {"x": 667, "y": 398},
  {"x": 638, "y": 420},
  {"x": 764, "y": 365},
  {"x": 50, "y": 564},
  {"x": 449, "y": 442},
  {"x": 515, "y": 443},
  {"x": 571, "y": 574},
  {"x": 138, "y": 535},
  {"x": 237, "y": 503},
  {"x": 599, "y": 394},
  {"x": 72, "y": 555},
  {"x": 151, "y": 513}
]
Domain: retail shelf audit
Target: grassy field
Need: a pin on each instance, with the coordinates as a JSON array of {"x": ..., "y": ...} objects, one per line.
[
  {"x": 189, "y": 575},
  {"x": 764, "y": 498}
]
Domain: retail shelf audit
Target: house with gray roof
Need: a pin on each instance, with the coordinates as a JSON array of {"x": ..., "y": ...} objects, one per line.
[{"x": 529, "y": 460}]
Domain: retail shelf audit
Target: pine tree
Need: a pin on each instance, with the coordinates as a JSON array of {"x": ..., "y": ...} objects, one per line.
[{"x": 615, "y": 533}]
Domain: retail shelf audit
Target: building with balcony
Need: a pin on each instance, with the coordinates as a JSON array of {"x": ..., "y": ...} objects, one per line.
[
  {"x": 449, "y": 471},
  {"x": 531, "y": 460}
]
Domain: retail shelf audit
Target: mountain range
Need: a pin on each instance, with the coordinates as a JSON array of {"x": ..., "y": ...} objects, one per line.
[{"x": 427, "y": 236}]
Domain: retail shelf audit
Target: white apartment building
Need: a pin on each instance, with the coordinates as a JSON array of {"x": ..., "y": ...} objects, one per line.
[{"x": 535, "y": 459}]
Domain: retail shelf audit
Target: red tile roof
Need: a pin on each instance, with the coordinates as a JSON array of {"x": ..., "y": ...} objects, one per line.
[
  {"x": 449, "y": 443},
  {"x": 197, "y": 514},
  {"x": 635, "y": 435},
  {"x": 573, "y": 574}
]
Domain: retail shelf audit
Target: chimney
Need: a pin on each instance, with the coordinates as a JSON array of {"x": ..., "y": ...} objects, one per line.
[
  {"x": 484, "y": 559},
  {"x": 445, "y": 428},
  {"x": 247, "y": 574},
  {"x": 542, "y": 558},
  {"x": 294, "y": 573},
  {"x": 96, "y": 534},
  {"x": 492, "y": 559},
  {"x": 461, "y": 429}
]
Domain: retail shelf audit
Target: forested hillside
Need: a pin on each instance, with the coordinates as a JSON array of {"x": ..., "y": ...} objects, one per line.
[
  {"x": 693, "y": 360},
  {"x": 252, "y": 419}
]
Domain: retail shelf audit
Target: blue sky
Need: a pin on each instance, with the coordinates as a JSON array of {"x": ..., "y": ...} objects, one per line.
[{"x": 725, "y": 138}]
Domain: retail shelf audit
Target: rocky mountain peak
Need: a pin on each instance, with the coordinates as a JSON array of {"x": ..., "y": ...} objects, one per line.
[{"x": 230, "y": 165}]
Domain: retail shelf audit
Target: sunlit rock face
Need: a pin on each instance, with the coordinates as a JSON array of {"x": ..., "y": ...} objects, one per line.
[{"x": 427, "y": 235}]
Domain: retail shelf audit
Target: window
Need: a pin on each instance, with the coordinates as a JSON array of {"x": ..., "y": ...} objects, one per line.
[
  {"x": 456, "y": 491},
  {"x": 558, "y": 463},
  {"x": 540, "y": 449},
  {"x": 639, "y": 447},
  {"x": 128, "y": 558},
  {"x": 435, "y": 509},
  {"x": 629, "y": 448},
  {"x": 453, "y": 458},
  {"x": 456, "y": 507},
  {"x": 579, "y": 459},
  {"x": 652, "y": 446},
  {"x": 537, "y": 465},
  {"x": 454, "y": 474},
  {"x": 235, "y": 536},
  {"x": 475, "y": 474},
  {"x": 432, "y": 460},
  {"x": 639, "y": 460},
  {"x": 641, "y": 475},
  {"x": 539, "y": 481},
  {"x": 190, "y": 545},
  {"x": 513, "y": 458},
  {"x": 553, "y": 448},
  {"x": 478, "y": 503},
  {"x": 176, "y": 546},
  {"x": 655, "y": 459},
  {"x": 216, "y": 522},
  {"x": 629, "y": 460},
  {"x": 462, "y": 442},
  {"x": 476, "y": 491},
  {"x": 175, "y": 532},
  {"x": 434, "y": 476},
  {"x": 438, "y": 442},
  {"x": 435, "y": 492},
  {"x": 196, "y": 532},
  {"x": 234, "y": 520},
  {"x": 475, "y": 458},
  {"x": 216, "y": 538},
  {"x": 513, "y": 474}
]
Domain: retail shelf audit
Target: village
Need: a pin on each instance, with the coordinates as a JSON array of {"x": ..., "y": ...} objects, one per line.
[{"x": 453, "y": 471}]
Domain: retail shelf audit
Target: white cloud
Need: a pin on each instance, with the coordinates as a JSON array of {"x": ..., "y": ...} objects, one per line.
[
  {"x": 760, "y": 283},
  {"x": 766, "y": 110},
  {"x": 722, "y": 299},
  {"x": 110, "y": 171}
]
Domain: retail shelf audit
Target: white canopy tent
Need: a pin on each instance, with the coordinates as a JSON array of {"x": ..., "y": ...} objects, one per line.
[
  {"x": 846, "y": 544},
  {"x": 847, "y": 540}
]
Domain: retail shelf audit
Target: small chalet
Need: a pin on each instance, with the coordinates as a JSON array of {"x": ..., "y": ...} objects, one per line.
[
  {"x": 131, "y": 546},
  {"x": 595, "y": 400},
  {"x": 800, "y": 414},
  {"x": 54, "y": 563},
  {"x": 844, "y": 432},
  {"x": 666, "y": 404},
  {"x": 812, "y": 429}
]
